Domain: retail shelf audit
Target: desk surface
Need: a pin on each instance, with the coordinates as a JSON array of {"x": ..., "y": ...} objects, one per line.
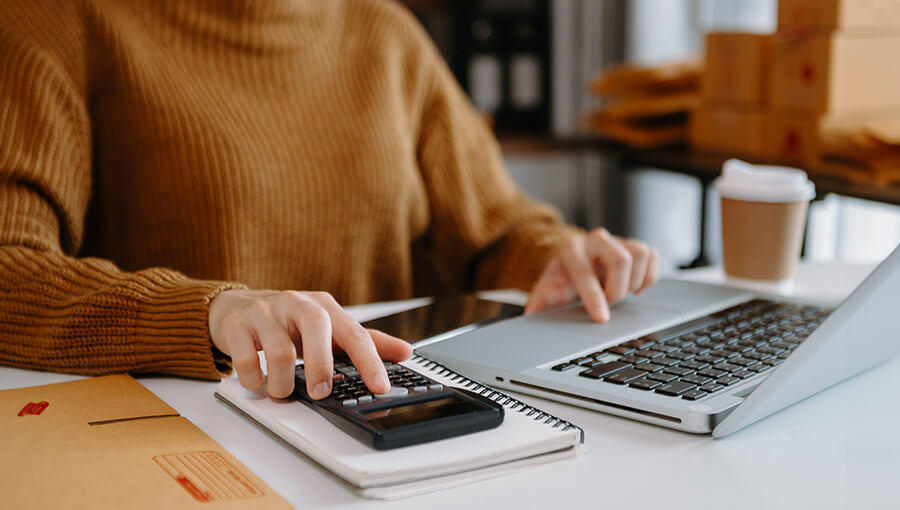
[{"x": 839, "y": 449}]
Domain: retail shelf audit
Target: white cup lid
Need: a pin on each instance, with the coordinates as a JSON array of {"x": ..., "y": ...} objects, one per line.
[{"x": 763, "y": 183}]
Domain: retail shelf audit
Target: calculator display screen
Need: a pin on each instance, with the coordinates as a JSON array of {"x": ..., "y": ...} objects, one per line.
[{"x": 420, "y": 412}]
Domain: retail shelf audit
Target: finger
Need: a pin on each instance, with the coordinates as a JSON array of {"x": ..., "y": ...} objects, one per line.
[
  {"x": 614, "y": 261},
  {"x": 640, "y": 256},
  {"x": 581, "y": 273},
  {"x": 390, "y": 347},
  {"x": 314, "y": 325},
  {"x": 552, "y": 289},
  {"x": 356, "y": 341},
  {"x": 244, "y": 358},
  {"x": 281, "y": 354},
  {"x": 652, "y": 275}
]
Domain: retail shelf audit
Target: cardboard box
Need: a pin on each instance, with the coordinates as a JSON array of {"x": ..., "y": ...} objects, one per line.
[
  {"x": 830, "y": 14},
  {"x": 736, "y": 69},
  {"x": 108, "y": 442},
  {"x": 838, "y": 72},
  {"x": 798, "y": 139},
  {"x": 792, "y": 139},
  {"x": 729, "y": 131}
]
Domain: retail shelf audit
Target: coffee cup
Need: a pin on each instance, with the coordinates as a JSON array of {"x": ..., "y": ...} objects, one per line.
[{"x": 763, "y": 219}]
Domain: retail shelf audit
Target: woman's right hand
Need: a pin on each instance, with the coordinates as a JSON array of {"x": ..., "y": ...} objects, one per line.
[{"x": 288, "y": 325}]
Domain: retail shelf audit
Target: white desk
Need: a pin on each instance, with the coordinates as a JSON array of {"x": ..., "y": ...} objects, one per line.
[{"x": 839, "y": 449}]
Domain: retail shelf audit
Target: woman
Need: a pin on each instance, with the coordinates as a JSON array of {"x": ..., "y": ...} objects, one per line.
[{"x": 159, "y": 159}]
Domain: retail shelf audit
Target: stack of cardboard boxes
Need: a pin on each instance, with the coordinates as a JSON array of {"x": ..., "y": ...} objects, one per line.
[{"x": 832, "y": 64}]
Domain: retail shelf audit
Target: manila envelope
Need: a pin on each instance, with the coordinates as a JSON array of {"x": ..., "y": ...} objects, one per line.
[{"x": 108, "y": 442}]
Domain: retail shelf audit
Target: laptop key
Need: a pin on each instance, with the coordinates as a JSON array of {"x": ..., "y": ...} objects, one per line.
[
  {"x": 709, "y": 358},
  {"x": 645, "y": 384},
  {"x": 625, "y": 376},
  {"x": 562, "y": 367},
  {"x": 757, "y": 355},
  {"x": 743, "y": 374},
  {"x": 711, "y": 388},
  {"x": 712, "y": 372},
  {"x": 632, "y": 359},
  {"x": 638, "y": 343},
  {"x": 728, "y": 380},
  {"x": 696, "y": 379},
  {"x": 680, "y": 370},
  {"x": 649, "y": 367},
  {"x": 620, "y": 349},
  {"x": 743, "y": 362},
  {"x": 662, "y": 377},
  {"x": 667, "y": 361},
  {"x": 694, "y": 395},
  {"x": 646, "y": 353},
  {"x": 693, "y": 364},
  {"x": 727, "y": 366},
  {"x": 674, "y": 389},
  {"x": 681, "y": 355},
  {"x": 601, "y": 371}
]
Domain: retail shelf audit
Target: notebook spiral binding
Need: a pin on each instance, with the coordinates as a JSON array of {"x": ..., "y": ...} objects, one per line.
[{"x": 498, "y": 396}]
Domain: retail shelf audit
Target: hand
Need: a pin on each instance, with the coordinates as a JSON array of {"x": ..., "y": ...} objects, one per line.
[
  {"x": 288, "y": 325},
  {"x": 599, "y": 268}
]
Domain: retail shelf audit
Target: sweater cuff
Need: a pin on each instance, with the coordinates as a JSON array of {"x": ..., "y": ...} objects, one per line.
[
  {"x": 171, "y": 327},
  {"x": 521, "y": 257}
]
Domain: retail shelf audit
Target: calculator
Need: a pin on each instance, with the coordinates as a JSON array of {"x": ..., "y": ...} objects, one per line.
[{"x": 415, "y": 410}]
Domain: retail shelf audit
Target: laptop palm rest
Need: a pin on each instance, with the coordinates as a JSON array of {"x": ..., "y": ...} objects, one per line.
[{"x": 525, "y": 342}]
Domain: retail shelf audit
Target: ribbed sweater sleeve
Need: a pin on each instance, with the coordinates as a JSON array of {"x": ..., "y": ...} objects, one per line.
[
  {"x": 59, "y": 312},
  {"x": 482, "y": 224}
]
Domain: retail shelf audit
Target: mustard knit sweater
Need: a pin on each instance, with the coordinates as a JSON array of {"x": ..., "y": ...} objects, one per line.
[{"x": 154, "y": 153}]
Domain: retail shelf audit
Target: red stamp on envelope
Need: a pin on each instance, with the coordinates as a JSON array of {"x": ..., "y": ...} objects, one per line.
[{"x": 34, "y": 408}]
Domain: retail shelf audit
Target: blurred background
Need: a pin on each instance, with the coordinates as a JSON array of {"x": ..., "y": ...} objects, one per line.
[{"x": 620, "y": 112}]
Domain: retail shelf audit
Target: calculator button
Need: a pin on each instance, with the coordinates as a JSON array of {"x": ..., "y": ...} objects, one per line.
[
  {"x": 419, "y": 389},
  {"x": 365, "y": 399},
  {"x": 348, "y": 371},
  {"x": 436, "y": 387},
  {"x": 395, "y": 392},
  {"x": 350, "y": 402}
]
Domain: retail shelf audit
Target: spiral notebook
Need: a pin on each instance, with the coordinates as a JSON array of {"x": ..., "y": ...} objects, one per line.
[{"x": 527, "y": 437}]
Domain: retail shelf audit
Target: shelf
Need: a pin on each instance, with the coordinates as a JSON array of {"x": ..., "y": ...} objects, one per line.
[{"x": 703, "y": 165}]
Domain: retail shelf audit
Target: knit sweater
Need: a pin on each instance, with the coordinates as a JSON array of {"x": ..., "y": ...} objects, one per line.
[{"x": 154, "y": 153}]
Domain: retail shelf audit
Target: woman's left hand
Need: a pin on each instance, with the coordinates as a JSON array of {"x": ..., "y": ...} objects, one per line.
[{"x": 599, "y": 268}]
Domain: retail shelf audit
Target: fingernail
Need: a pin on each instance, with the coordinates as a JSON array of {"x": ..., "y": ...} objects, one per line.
[{"x": 320, "y": 391}]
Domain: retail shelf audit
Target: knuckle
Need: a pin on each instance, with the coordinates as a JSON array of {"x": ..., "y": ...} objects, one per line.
[
  {"x": 322, "y": 296},
  {"x": 620, "y": 258},
  {"x": 314, "y": 314},
  {"x": 257, "y": 308},
  {"x": 599, "y": 233},
  {"x": 318, "y": 367},
  {"x": 282, "y": 353},
  {"x": 570, "y": 245},
  {"x": 291, "y": 297},
  {"x": 232, "y": 321},
  {"x": 358, "y": 336},
  {"x": 638, "y": 249},
  {"x": 245, "y": 363}
]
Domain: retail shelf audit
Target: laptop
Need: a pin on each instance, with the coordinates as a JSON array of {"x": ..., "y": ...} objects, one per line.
[{"x": 690, "y": 356}]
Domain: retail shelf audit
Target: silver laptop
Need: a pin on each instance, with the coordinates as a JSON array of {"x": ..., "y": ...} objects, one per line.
[{"x": 694, "y": 357}]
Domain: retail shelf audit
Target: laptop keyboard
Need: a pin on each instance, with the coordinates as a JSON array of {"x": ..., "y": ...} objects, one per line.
[{"x": 701, "y": 357}]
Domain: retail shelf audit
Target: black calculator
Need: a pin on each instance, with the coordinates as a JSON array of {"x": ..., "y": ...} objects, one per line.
[{"x": 415, "y": 410}]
